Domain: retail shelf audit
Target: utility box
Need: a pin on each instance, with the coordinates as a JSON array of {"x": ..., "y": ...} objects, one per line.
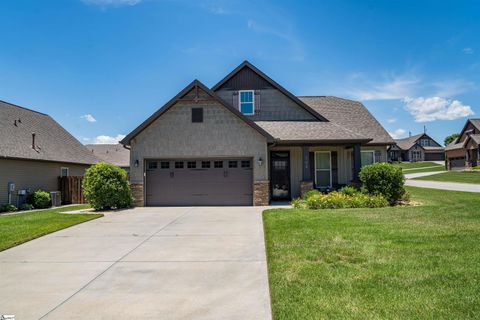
[{"x": 56, "y": 197}]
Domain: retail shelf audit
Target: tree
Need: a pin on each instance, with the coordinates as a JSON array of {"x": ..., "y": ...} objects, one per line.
[{"x": 451, "y": 138}]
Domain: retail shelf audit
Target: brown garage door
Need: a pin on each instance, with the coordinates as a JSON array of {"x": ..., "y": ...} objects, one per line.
[
  {"x": 457, "y": 163},
  {"x": 199, "y": 182}
]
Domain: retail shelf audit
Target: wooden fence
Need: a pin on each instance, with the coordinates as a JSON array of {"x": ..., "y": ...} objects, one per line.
[{"x": 71, "y": 188}]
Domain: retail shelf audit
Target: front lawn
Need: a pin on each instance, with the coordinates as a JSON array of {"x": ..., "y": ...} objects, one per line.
[
  {"x": 415, "y": 262},
  {"x": 433, "y": 169},
  {"x": 417, "y": 165},
  {"x": 455, "y": 176},
  {"x": 19, "y": 228}
]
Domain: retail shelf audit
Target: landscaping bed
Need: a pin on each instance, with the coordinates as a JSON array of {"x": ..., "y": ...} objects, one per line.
[
  {"x": 22, "y": 227},
  {"x": 455, "y": 176},
  {"x": 402, "y": 262}
]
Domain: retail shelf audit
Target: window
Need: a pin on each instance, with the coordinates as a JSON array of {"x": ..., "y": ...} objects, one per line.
[
  {"x": 424, "y": 142},
  {"x": 245, "y": 164},
  {"x": 232, "y": 164},
  {"x": 323, "y": 172},
  {"x": 367, "y": 157},
  {"x": 165, "y": 165},
  {"x": 64, "y": 172},
  {"x": 178, "y": 164},
  {"x": 247, "y": 102},
  {"x": 152, "y": 165},
  {"x": 191, "y": 164},
  {"x": 218, "y": 164},
  {"x": 205, "y": 164},
  {"x": 197, "y": 115}
]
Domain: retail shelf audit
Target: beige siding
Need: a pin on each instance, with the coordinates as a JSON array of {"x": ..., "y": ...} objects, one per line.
[
  {"x": 32, "y": 175},
  {"x": 222, "y": 134}
]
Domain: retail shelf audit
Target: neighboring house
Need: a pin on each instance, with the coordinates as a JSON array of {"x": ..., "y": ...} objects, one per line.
[
  {"x": 420, "y": 147},
  {"x": 247, "y": 141},
  {"x": 465, "y": 150},
  {"x": 115, "y": 154},
  {"x": 34, "y": 151}
]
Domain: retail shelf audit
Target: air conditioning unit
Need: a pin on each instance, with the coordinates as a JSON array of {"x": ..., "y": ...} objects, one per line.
[{"x": 56, "y": 197}]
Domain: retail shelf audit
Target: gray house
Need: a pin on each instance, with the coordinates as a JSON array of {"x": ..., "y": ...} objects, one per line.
[
  {"x": 34, "y": 151},
  {"x": 115, "y": 154},
  {"x": 249, "y": 141},
  {"x": 420, "y": 147}
]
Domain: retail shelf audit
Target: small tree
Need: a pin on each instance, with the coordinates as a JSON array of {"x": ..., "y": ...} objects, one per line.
[
  {"x": 383, "y": 179},
  {"x": 39, "y": 199},
  {"x": 449, "y": 139},
  {"x": 106, "y": 186}
]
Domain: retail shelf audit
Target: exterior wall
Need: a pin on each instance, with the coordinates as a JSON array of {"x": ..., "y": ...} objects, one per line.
[
  {"x": 274, "y": 105},
  {"x": 344, "y": 158},
  {"x": 221, "y": 134},
  {"x": 468, "y": 127},
  {"x": 416, "y": 148},
  {"x": 455, "y": 153},
  {"x": 33, "y": 175}
]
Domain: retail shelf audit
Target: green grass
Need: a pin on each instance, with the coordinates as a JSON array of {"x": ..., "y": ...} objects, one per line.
[
  {"x": 416, "y": 165},
  {"x": 19, "y": 228},
  {"x": 415, "y": 262},
  {"x": 439, "y": 168},
  {"x": 455, "y": 176}
]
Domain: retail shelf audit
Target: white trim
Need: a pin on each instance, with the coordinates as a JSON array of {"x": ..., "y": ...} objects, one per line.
[
  {"x": 329, "y": 169},
  {"x": 61, "y": 171},
  {"x": 240, "y": 102}
]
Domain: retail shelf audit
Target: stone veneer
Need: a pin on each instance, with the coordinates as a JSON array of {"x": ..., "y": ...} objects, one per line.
[
  {"x": 261, "y": 193},
  {"x": 137, "y": 191},
  {"x": 305, "y": 186}
]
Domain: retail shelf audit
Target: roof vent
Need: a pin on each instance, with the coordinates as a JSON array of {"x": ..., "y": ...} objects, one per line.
[{"x": 33, "y": 140}]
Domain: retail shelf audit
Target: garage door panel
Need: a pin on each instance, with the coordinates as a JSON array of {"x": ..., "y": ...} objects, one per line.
[{"x": 199, "y": 186}]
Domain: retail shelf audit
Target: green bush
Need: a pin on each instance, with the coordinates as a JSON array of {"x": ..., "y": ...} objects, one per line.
[
  {"x": 311, "y": 193},
  {"x": 26, "y": 206},
  {"x": 8, "y": 208},
  {"x": 39, "y": 199},
  {"x": 383, "y": 179},
  {"x": 106, "y": 186},
  {"x": 476, "y": 168},
  {"x": 338, "y": 200},
  {"x": 349, "y": 190}
]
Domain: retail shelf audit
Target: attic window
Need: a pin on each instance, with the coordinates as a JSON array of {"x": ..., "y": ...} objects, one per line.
[
  {"x": 197, "y": 114},
  {"x": 246, "y": 102}
]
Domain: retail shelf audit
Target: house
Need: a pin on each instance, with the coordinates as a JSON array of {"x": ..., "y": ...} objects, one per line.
[
  {"x": 115, "y": 154},
  {"x": 420, "y": 147},
  {"x": 464, "y": 152},
  {"x": 249, "y": 141},
  {"x": 34, "y": 151}
]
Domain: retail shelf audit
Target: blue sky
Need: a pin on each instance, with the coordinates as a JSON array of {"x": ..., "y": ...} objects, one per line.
[{"x": 101, "y": 67}]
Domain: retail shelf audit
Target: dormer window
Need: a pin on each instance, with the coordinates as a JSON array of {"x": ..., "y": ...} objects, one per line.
[{"x": 246, "y": 102}]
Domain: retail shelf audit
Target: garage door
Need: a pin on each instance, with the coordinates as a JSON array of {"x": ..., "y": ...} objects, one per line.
[
  {"x": 434, "y": 156},
  {"x": 457, "y": 163},
  {"x": 199, "y": 182}
]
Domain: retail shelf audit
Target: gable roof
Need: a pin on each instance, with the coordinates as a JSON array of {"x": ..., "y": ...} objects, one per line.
[
  {"x": 407, "y": 143},
  {"x": 273, "y": 83},
  {"x": 52, "y": 141},
  {"x": 474, "y": 122},
  {"x": 115, "y": 154},
  {"x": 194, "y": 85},
  {"x": 350, "y": 115}
]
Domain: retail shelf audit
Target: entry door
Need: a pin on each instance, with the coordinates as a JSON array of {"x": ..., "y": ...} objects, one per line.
[{"x": 280, "y": 175}]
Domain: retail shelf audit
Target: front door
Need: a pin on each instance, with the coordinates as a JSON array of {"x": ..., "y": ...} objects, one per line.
[{"x": 280, "y": 175}]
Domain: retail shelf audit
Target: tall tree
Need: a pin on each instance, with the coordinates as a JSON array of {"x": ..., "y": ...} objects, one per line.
[{"x": 451, "y": 138}]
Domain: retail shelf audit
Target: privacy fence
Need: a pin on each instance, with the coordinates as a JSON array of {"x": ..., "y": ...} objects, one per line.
[{"x": 71, "y": 188}]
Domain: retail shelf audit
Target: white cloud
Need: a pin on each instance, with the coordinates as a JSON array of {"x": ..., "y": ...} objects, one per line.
[
  {"x": 398, "y": 134},
  {"x": 392, "y": 120},
  {"x": 391, "y": 89},
  {"x": 452, "y": 87},
  {"x": 436, "y": 108},
  {"x": 112, "y": 3},
  {"x": 88, "y": 117},
  {"x": 468, "y": 50},
  {"x": 108, "y": 139}
]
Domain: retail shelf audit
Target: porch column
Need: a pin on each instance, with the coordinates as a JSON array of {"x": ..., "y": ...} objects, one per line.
[
  {"x": 306, "y": 184},
  {"x": 357, "y": 163}
]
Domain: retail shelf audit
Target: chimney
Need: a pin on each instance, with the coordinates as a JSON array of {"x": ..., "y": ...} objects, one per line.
[
  {"x": 409, "y": 134},
  {"x": 33, "y": 140}
]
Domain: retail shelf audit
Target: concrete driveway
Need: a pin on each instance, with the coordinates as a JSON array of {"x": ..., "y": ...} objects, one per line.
[{"x": 144, "y": 263}]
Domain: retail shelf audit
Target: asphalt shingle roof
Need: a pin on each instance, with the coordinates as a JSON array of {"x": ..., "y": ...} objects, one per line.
[
  {"x": 476, "y": 138},
  {"x": 52, "y": 141},
  {"x": 319, "y": 131},
  {"x": 112, "y": 153},
  {"x": 350, "y": 115}
]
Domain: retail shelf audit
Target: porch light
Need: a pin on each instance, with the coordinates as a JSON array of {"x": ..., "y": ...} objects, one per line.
[
  {"x": 260, "y": 161},
  {"x": 136, "y": 163}
]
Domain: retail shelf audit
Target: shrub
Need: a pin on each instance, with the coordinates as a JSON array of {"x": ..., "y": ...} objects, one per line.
[
  {"x": 298, "y": 204},
  {"x": 383, "y": 179},
  {"x": 337, "y": 200},
  {"x": 476, "y": 168},
  {"x": 310, "y": 193},
  {"x": 8, "y": 208},
  {"x": 349, "y": 190},
  {"x": 26, "y": 206},
  {"x": 106, "y": 186},
  {"x": 39, "y": 199}
]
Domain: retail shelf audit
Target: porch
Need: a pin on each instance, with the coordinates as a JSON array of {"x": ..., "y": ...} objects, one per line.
[{"x": 294, "y": 169}]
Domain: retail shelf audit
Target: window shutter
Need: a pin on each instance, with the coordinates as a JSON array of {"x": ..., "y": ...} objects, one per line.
[
  {"x": 257, "y": 102},
  {"x": 334, "y": 159},
  {"x": 235, "y": 100},
  {"x": 311, "y": 158}
]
